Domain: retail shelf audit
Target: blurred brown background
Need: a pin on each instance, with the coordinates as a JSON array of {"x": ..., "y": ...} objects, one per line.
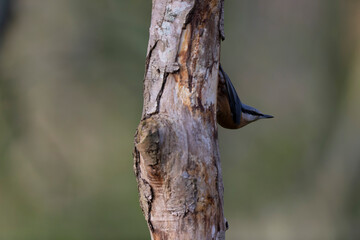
[{"x": 71, "y": 75}]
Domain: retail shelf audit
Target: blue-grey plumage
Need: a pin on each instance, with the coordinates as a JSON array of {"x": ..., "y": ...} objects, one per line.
[
  {"x": 233, "y": 98},
  {"x": 231, "y": 113}
]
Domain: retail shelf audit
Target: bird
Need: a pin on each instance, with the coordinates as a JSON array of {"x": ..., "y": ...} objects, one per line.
[{"x": 231, "y": 113}]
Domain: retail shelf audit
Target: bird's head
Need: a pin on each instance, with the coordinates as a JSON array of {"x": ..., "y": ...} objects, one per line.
[{"x": 250, "y": 114}]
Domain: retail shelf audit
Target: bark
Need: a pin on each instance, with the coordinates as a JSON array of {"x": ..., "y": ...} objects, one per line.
[{"x": 177, "y": 163}]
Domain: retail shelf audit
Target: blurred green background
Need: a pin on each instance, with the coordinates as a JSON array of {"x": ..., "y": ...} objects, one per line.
[{"x": 71, "y": 75}]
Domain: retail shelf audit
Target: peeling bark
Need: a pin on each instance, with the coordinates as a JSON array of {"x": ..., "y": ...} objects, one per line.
[{"x": 177, "y": 162}]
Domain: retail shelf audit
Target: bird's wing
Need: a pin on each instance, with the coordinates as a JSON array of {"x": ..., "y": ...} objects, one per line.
[{"x": 234, "y": 100}]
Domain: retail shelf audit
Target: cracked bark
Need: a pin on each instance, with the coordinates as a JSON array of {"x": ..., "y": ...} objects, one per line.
[{"x": 177, "y": 163}]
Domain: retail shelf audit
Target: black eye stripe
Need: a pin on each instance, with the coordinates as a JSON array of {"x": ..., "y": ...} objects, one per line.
[{"x": 252, "y": 112}]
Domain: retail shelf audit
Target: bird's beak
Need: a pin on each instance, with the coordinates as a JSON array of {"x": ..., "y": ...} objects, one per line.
[{"x": 266, "y": 116}]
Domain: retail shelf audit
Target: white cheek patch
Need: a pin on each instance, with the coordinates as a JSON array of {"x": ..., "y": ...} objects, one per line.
[{"x": 248, "y": 117}]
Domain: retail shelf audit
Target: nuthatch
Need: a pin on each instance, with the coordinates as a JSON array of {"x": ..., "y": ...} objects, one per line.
[{"x": 231, "y": 113}]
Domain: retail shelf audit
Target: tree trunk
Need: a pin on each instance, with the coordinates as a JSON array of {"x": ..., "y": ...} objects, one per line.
[{"x": 177, "y": 163}]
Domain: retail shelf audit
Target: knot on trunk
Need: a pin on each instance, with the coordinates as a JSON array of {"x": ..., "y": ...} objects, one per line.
[{"x": 148, "y": 140}]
